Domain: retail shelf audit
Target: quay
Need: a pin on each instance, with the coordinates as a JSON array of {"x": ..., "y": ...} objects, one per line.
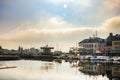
[{"x": 9, "y": 57}]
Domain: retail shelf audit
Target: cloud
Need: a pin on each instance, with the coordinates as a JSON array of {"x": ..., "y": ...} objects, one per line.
[
  {"x": 112, "y": 24},
  {"x": 77, "y": 12},
  {"x": 112, "y": 5},
  {"x": 55, "y": 30},
  {"x": 36, "y": 22},
  {"x": 39, "y": 38},
  {"x": 51, "y": 26}
]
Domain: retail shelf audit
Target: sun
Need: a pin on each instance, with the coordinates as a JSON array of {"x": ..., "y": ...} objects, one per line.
[{"x": 65, "y": 5}]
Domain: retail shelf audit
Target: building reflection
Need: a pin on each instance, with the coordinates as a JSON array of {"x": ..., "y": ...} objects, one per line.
[
  {"x": 58, "y": 60},
  {"x": 47, "y": 66},
  {"x": 73, "y": 63},
  {"x": 113, "y": 71},
  {"x": 109, "y": 69},
  {"x": 89, "y": 68}
]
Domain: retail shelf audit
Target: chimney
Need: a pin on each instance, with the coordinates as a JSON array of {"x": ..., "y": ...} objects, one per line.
[{"x": 111, "y": 34}]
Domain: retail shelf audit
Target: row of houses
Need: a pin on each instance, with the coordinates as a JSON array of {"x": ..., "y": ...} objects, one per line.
[{"x": 98, "y": 46}]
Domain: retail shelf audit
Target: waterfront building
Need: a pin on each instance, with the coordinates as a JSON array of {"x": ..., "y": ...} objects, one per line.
[
  {"x": 20, "y": 49},
  {"x": 46, "y": 50},
  {"x": 113, "y": 45},
  {"x": 111, "y": 38},
  {"x": 0, "y": 49},
  {"x": 108, "y": 50},
  {"x": 92, "y": 45},
  {"x": 115, "y": 48},
  {"x": 13, "y": 51},
  {"x": 57, "y": 53},
  {"x": 33, "y": 51},
  {"x": 74, "y": 50}
]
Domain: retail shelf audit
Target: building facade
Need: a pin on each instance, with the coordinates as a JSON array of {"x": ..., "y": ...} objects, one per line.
[
  {"x": 115, "y": 48},
  {"x": 92, "y": 45},
  {"x": 113, "y": 45}
]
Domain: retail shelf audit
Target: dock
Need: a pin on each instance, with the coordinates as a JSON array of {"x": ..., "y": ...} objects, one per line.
[{"x": 9, "y": 57}]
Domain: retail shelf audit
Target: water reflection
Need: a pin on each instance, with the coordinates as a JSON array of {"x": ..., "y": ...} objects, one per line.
[
  {"x": 47, "y": 66},
  {"x": 60, "y": 70},
  {"x": 109, "y": 69}
]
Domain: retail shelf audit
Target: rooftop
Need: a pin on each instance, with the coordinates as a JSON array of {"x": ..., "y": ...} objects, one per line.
[
  {"x": 93, "y": 40},
  {"x": 111, "y": 38}
]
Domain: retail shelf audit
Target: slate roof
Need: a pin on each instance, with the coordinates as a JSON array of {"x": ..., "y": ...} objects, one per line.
[
  {"x": 111, "y": 38},
  {"x": 93, "y": 40}
]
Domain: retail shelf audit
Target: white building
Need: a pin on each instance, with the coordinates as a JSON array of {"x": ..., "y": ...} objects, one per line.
[{"x": 92, "y": 45}]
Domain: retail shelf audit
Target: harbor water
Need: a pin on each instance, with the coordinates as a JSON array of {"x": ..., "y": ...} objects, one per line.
[{"x": 58, "y": 70}]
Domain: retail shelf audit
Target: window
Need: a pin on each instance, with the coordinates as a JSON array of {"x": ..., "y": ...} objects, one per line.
[
  {"x": 117, "y": 47},
  {"x": 89, "y": 45},
  {"x": 95, "y": 45},
  {"x": 116, "y": 43},
  {"x": 95, "y": 68},
  {"x": 92, "y": 45}
]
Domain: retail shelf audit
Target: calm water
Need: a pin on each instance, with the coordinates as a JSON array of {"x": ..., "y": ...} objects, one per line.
[{"x": 43, "y": 70}]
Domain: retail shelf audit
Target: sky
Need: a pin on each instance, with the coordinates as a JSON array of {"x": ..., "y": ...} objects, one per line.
[{"x": 62, "y": 23}]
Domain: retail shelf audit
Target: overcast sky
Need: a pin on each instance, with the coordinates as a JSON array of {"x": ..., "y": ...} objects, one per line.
[{"x": 35, "y": 23}]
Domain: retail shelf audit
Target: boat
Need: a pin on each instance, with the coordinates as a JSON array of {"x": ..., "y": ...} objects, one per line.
[{"x": 101, "y": 58}]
